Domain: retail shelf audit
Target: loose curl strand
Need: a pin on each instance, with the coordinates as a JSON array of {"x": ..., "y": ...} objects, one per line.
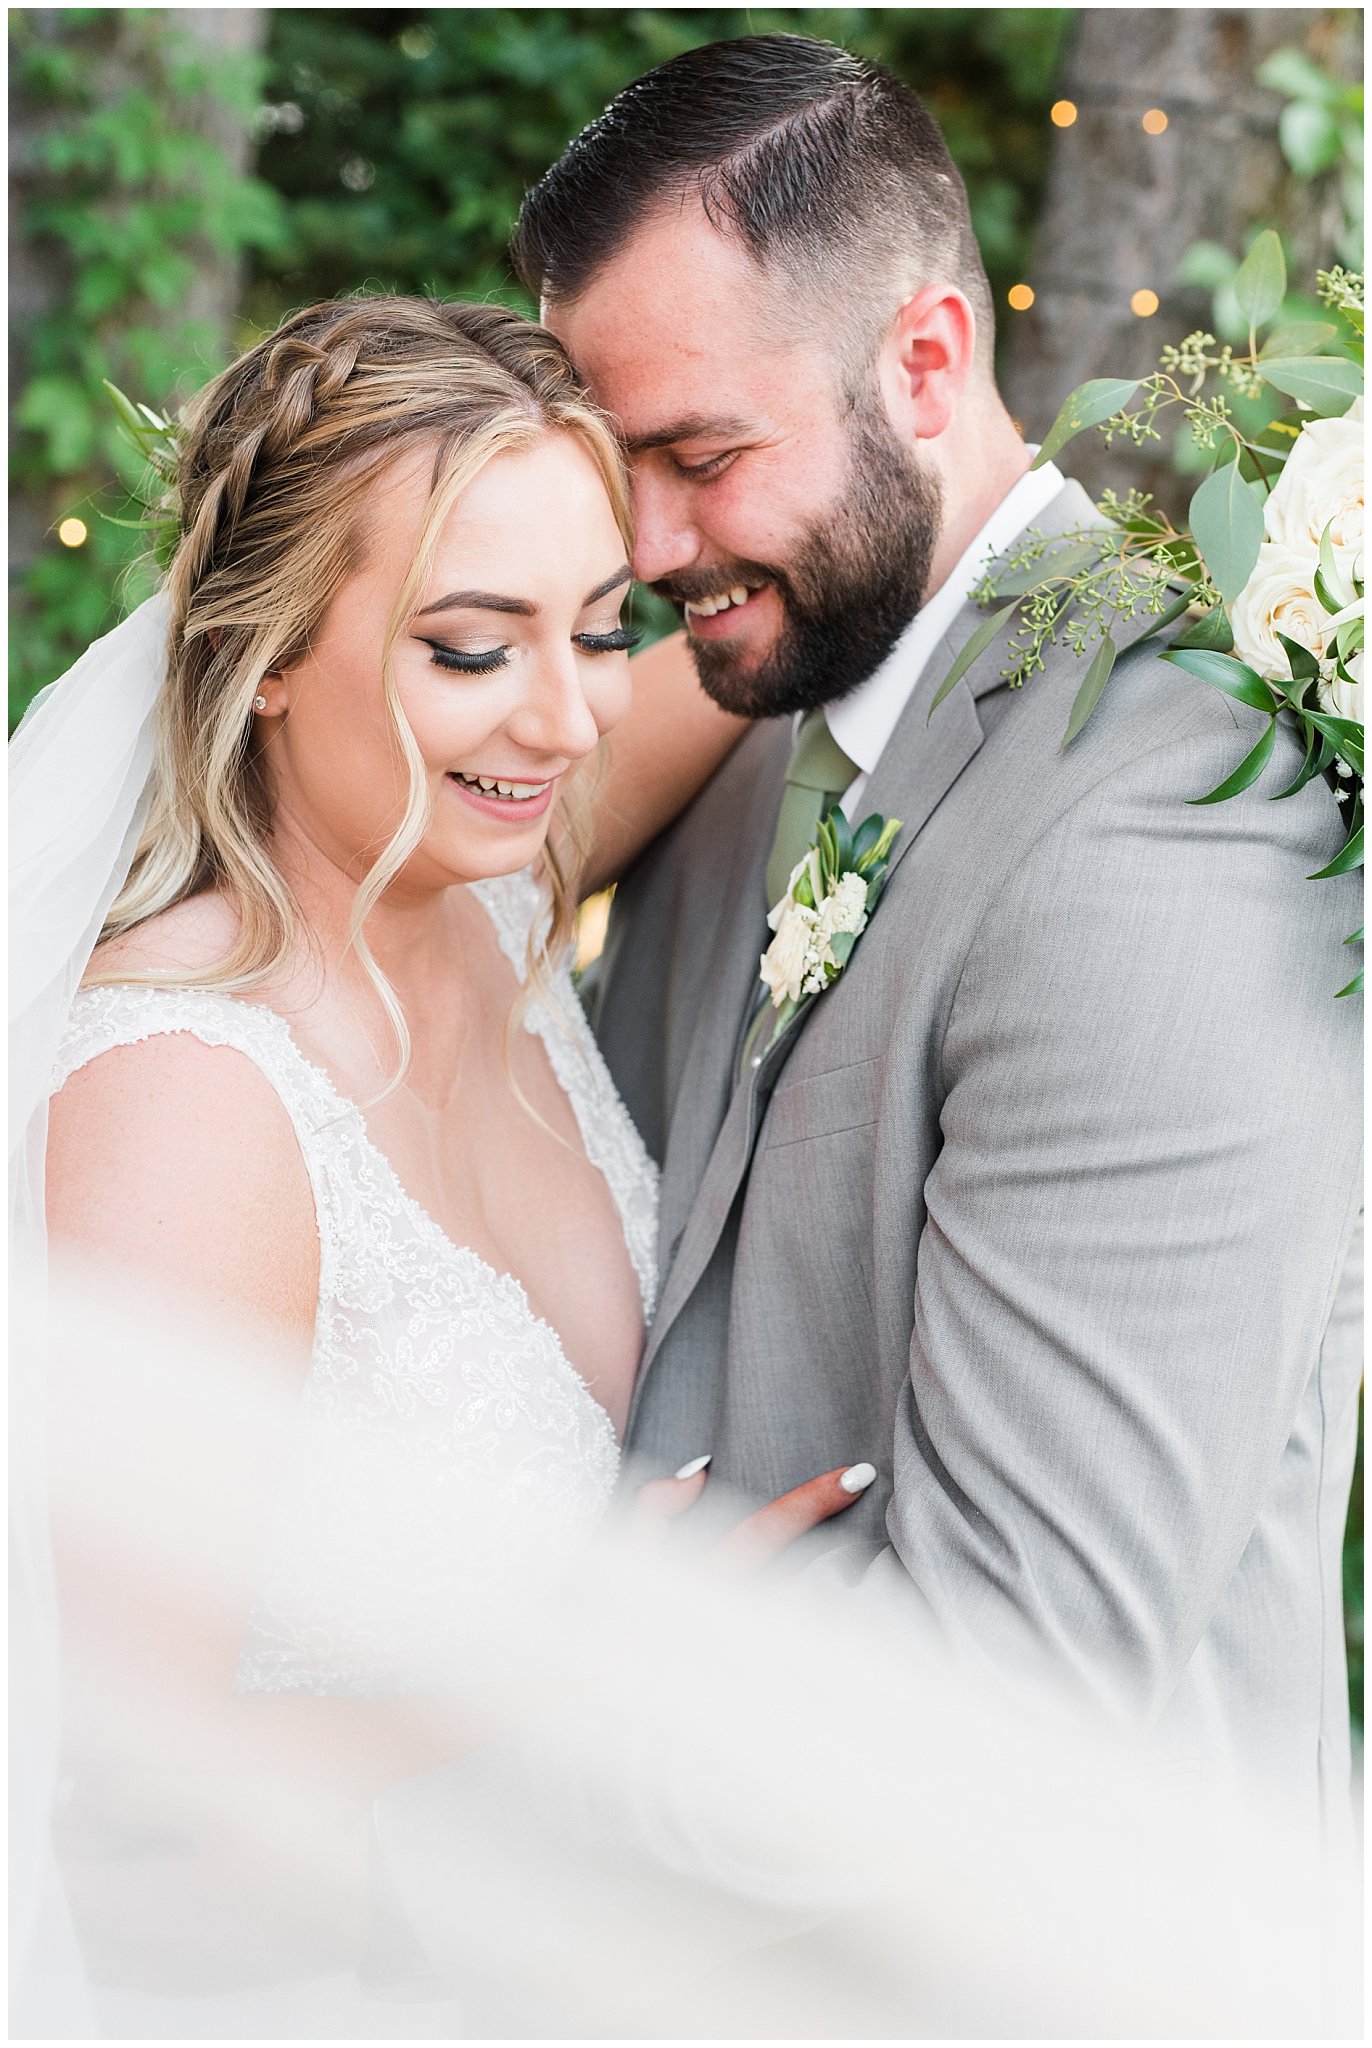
[{"x": 278, "y": 458}]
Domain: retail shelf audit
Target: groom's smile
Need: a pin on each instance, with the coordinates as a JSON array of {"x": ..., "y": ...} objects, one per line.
[{"x": 775, "y": 502}]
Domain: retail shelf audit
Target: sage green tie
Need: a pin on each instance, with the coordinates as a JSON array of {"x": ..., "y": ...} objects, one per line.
[{"x": 816, "y": 776}]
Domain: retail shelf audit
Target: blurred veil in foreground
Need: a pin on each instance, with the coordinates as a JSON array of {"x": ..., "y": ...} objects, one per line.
[{"x": 613, "y": 1788}]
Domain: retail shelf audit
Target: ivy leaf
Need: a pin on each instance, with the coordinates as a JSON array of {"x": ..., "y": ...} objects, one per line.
[
  {"x": 1327, "y": 384},
  {"x": 1247, "y": 772},
  {"x": 1089, "y": 695},
  {"x": 977, "y": 645},
  {"x": 1226, "y": 519},
  {"x": 1260, "y": 281},
  {"x": 1091, "y": 403},
  {"x": 1226, "y": 672}
]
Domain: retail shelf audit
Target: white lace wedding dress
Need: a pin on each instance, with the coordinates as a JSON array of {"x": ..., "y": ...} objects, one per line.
[{"x": 432, "y": 1383}]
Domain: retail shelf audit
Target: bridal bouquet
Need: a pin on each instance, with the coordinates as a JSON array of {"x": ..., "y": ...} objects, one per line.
[{"x": 1265, "y": 578}]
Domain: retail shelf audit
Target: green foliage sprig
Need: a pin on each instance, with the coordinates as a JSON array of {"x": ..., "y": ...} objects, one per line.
[{"x": 1101, "y": 588}]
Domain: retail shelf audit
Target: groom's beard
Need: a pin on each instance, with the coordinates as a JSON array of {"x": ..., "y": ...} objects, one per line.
[{"x": 847, "y": 592}]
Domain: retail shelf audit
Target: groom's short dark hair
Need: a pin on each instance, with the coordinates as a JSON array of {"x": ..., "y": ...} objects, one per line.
[{"x": 830, "y": 169}]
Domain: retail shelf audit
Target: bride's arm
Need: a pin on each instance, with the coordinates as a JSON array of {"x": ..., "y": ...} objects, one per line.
[{"x": 666, "y": 750}]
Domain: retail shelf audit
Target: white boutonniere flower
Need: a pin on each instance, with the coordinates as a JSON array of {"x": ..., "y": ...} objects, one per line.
[{"x": 830, "y": 897}]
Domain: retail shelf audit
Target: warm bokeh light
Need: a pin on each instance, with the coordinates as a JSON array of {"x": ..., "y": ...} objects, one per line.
[
  {"x": 72, "y": 533},
  {"x": 1145, "y": 304},
  {"x": 1021, "y": 297},
  {"x": 591, "y": 921},
  {"x": 1062, "y": 113},
  {"x": 1154, "y": 121}
]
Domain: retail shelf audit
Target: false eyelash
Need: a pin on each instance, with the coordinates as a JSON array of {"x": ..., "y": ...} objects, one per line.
[
  {"x": 623, "y": 640},
  {"x": 483, "y": 664}
]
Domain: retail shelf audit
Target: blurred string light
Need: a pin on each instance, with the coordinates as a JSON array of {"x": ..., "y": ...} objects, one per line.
[
  {"x": 1062, "y": 113},
  {"x": 72, "y": 533},
  {"x": 1021, "y": 297},
  {"x": 1145, "y": 304},
  {"x": 1154, "y": 121}
]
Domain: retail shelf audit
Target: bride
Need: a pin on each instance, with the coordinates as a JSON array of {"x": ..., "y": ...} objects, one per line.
[{"x": 325, "y": 1072}]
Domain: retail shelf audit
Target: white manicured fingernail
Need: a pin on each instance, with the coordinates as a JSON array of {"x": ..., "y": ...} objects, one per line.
[
  {"x": 698, "y": 1465},
  {"x": 858, "y": 1478}
]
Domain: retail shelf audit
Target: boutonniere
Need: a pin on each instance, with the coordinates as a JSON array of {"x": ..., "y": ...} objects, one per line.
[{"x": 832, "y": 893}]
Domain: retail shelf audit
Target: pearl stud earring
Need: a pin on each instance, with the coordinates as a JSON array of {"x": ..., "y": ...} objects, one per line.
[{"x": 259, "y": 703}]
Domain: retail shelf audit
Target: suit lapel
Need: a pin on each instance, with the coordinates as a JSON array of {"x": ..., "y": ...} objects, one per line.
[
  {"x": 734, "y": 947},
  {"x": 918, "y": 766}
]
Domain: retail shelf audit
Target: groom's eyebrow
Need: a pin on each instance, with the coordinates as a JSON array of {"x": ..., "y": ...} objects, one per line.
[
  {"x": 695, "y": 426},
  {"x": 522, "y": 607}
]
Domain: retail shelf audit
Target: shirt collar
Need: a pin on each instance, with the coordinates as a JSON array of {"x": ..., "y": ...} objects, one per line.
[{"x": 863, "y": 721}]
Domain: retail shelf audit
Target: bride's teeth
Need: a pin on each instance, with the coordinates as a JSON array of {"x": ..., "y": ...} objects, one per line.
[{"x": 485, "y": 782}]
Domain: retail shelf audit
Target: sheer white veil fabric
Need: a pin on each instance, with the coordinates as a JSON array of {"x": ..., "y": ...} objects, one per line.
[{"x": 80, "y": 766}]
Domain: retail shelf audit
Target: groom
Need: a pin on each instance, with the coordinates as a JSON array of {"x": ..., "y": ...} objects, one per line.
[{"x": 1047, "y": 1207}]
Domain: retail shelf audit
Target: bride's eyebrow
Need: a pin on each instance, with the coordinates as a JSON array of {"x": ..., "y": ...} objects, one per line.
[{"x": 522, "y": 607}]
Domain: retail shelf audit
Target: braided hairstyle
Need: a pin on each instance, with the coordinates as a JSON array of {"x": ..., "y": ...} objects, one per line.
[{"x": 278, "y": 457}]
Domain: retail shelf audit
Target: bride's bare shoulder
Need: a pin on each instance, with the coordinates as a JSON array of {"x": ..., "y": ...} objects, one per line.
[
  {"x": 177, "y": 1159},
  {"x": 190, "y": 937}
]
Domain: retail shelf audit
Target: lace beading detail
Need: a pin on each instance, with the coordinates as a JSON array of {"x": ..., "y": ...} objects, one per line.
[
  {"x": 515, "y": 903},
  {"x": 431, "y": 1383}
]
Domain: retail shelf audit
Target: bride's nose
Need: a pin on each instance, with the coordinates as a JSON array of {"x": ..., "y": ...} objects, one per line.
[{"x": 555, "y": 717}]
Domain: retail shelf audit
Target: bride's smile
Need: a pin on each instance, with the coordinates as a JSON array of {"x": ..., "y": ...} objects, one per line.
[{"x": 509, "y": 668}]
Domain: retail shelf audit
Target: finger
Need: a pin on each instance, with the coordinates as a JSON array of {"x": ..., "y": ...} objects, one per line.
[
  {"x": 768, "y": 1530},
  {"x": 662, "y": 1500}
]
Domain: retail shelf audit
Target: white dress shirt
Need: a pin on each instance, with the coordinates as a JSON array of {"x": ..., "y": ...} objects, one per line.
[{"x": 864, "y": 721}]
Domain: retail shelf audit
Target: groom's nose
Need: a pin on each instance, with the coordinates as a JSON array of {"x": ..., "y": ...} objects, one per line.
[{"x": 665, "y": 534}]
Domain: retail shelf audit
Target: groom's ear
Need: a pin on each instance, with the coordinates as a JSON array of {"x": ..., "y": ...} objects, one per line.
[{"x": 926, "y": 360}]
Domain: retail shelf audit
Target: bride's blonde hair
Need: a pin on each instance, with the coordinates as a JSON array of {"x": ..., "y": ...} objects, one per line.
[{"x": 276, "y": 462}]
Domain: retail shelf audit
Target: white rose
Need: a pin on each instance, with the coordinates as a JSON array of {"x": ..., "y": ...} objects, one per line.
[
  {"x": 1322, "y": 481},
  {"x": 1279, "y": 597},
  {"x": 845, "y": 910},
  {"x": 784, "y": 962}
]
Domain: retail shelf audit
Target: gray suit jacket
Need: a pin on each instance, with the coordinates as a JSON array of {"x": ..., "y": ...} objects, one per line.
[{"x": 1044, "y": 1207}]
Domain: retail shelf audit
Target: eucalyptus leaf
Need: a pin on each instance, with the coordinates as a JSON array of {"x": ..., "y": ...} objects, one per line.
[
  {"x": 1260, "y": 281},
  {"x": 1226, "y": 672},
  {"x": 1309, "y": 138},
  {"x": 1247, "y": 772},
  {"x": 977, "y": 645},
  {"x": 1226, "y": 518},
  {"x": 1327, "y": 384},
  {"x": 1091, "y": 403},
  {"x": 841, "y": 946},
  {"x": 1060, "y": 562},
  {"x": 1298, "y": 338},
  {"x": 1089, "y": 695}
]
